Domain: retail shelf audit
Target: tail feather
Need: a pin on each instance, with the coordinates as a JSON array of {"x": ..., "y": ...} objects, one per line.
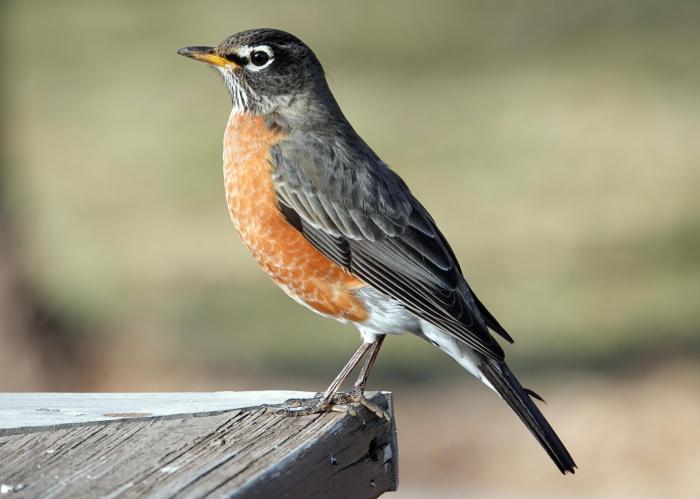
[
  {"x": 496, "y": 375},
  {"x": 518, "y": 398}
]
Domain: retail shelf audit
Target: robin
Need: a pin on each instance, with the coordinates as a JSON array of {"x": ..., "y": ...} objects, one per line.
[{"x": 340, "y": 232}]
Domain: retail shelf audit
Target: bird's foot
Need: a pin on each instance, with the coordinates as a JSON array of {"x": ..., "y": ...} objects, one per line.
[
  {"x": 339, "y": 402},
  {"x": 296, "y": 403},
  {"x": 299, "y": 407},
  {"x": 357, "y": 397}
]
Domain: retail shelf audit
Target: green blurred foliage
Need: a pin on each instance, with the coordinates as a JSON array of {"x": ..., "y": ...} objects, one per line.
[{"x": 556, "y": 143}]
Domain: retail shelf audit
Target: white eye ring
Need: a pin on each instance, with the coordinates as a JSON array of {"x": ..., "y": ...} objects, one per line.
[{"x": 246, "y": 52}]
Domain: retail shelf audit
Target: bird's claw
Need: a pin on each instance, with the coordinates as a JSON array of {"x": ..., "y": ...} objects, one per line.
[
  {"x": 339, "y": 402},
  {"x": 292, "y": 403},
  {"x": 357, "y": 396}
]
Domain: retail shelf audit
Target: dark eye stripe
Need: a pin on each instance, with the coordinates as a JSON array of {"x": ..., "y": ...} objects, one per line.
[{"x": 237, "y": 59}]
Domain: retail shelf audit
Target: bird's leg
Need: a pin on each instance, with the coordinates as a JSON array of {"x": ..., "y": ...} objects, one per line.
[
  {"x": 345, "y": 372},
  {"x": 327, "y": 400},
  {"x": 357, "y": 395},
  {"x": 361, "y": 382}
]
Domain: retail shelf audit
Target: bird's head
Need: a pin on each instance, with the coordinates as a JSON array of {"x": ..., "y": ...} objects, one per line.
[{"x": 268, "y": 71}]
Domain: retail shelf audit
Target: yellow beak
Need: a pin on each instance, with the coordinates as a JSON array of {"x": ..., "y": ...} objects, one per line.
[{"x": 205, "y": 54}]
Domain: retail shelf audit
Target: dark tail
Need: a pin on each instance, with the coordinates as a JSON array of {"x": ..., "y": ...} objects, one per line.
[{"x": 509, "y": 388}]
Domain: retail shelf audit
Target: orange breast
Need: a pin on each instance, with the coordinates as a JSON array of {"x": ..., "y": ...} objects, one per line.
[{"x": 290, "y": 260}]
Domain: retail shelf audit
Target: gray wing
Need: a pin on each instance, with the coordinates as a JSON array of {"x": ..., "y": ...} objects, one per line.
[{"x": 360, "y": 214}]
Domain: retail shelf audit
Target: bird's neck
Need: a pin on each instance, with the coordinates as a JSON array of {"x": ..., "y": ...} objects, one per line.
[{"x": 313, "y": 109}]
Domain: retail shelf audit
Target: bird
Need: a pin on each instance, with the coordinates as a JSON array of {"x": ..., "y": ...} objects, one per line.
[{"x": 340, "y": 232}]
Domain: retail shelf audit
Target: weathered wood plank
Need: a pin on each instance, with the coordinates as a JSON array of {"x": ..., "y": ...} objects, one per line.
[
  {"x": 240, "y": 453},
  {"x": 23, "y": 411}
]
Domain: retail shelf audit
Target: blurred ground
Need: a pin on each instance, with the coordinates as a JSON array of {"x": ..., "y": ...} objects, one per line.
[
  {"x": 554, "y": 142},
  {"x": 632, "y": 435}
]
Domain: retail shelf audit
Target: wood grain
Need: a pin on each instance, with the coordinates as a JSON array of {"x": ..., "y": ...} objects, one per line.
[{"x": 239, "y": 453}]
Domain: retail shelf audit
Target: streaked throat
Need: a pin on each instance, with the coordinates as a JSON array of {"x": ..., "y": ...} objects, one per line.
[{"x": 240, "y": 98}]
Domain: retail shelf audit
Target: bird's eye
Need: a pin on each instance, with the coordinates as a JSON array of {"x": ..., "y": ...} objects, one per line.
[{"x": 259, "y": 58}]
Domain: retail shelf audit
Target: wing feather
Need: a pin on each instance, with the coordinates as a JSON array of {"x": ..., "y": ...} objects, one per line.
[{"x": 362, "y": 216}]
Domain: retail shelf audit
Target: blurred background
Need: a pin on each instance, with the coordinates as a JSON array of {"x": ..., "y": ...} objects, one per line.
[{"x": 556, "y": 143}]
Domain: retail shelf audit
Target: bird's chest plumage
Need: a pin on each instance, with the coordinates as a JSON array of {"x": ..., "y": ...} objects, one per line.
[{"x": 289, "y": 259}]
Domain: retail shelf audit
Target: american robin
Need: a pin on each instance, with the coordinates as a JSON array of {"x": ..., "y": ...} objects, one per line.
[{"x": 339, "y": 231}]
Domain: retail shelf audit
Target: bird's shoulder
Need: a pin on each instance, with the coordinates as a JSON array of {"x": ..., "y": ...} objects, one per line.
[{"x": 339, "y": 175}]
